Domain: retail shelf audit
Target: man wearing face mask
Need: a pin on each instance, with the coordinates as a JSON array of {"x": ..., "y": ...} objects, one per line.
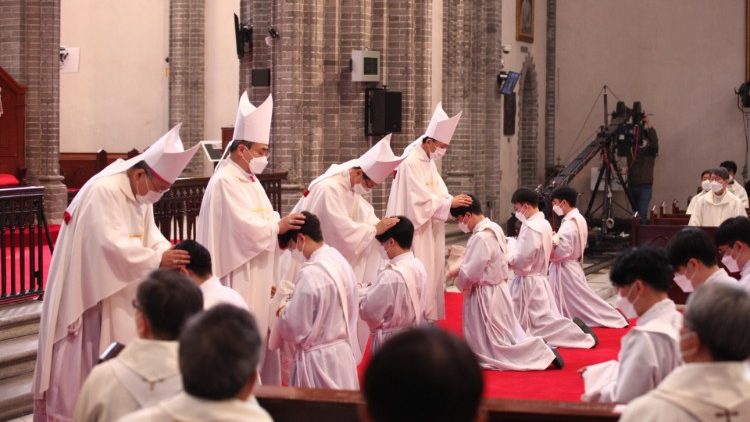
[
  {"x": 394, "y": 302},
  {"x": 238, "y": 225},
  {"x": 320, "y": 319},
  {"x": 734, "y": 186},
  {"x": 692, "y": 254},
  {"x": 713, "y": 208},
  {"x": 490, "y": 326},
  {"x": 533, "y": 300},
  {"x": 733, "y": 240},
  {"x": 108, "y": 243},
  {"x": 714, "y": 383},
  {"x": 650, "y": 351},
  {"x": 419, "y": 193},
  {"x": 573, "y": 296},
  {"x": 702, "y": 190}
]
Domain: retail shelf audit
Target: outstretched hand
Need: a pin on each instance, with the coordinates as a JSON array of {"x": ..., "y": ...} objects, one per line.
[
  {"x": 385, "y": 224},
  {"x": 461, "y": 200},
  {"x": 292, "y": 221}
]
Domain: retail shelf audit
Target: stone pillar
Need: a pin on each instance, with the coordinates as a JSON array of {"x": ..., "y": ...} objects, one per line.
[
  {"x": 30, "y": 42},
  {"x": 186, "y": 70}
]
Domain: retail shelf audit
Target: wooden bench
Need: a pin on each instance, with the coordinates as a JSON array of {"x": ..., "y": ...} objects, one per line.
[{"x": 79, "y": 167}]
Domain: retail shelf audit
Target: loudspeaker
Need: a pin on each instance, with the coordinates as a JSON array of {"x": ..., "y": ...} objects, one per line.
[
  {"x": 261, "y": 77},
  {"x": 383, "y": 112}
]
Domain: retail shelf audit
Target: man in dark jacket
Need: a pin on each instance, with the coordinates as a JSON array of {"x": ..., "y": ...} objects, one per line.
[{"x": 641, "y": 169}]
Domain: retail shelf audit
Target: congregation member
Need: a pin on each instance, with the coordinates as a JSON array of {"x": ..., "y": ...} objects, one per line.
[
  {"x": 734, "y": 186},
  {"x": 733, "y": 240},
  {"x": 713, "y": 208},
  {"x": 714, "y": 383},
  {"x": 423, "y": 374},
  {"x": 394, "y": 302},
  {"x": 573, "y": 296},
  {"x": 651, "y": 350},
  {"x": 237, "y": 223},
  {"x": 419, "y": 193},
  {"x": 702, "y": 190},
  {"x": 107, "y": 244},
  {"x": 692, "y": 254},
  {"x": 490, "y": 326},
  {"x": 641, "y": 160},
  {"x": 146, "y": 371},
  {"x": 219, "y": 352},
  {"x": 533, "y": 300},
  {"x": 199, "y": 270},
  {"x": 320, "y": 319}
]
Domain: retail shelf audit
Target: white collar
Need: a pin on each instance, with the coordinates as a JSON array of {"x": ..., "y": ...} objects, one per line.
[{"x": 663, "y": 307}]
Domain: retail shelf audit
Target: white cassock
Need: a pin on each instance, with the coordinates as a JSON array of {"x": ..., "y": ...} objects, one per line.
[
  {"x": 711, "y": 211},
  {"x": 320, "y": 321},
  {"x": 186, "y": 408},
  {"x": 745, "y": 277},
  {"x": 711, "y": 391},
  {"x": 694, "y": 201},
  {"x": 395, "y": 301},
  {"x": 419, "y": 193},
  {"x": 648, "y": 353},
  {"x": 108, "y": 245},
  {"x": 721, "y": 276},
  {"x": 145, "y": 373},
  {"x": 573, "y": 295},
  {"x": 489, "y": 324},
  {"x": 739, "y": 191},
  {"x": 533, "y": 300},
  {"x": 215, "y": 293}
]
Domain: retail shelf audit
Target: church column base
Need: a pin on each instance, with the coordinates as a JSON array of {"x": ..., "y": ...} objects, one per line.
[{"x": 55, "y": 196}]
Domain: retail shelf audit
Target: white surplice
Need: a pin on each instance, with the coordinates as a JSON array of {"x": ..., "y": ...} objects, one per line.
[
  {"x": 108, "y": 245},
  {"x": 694, "y": 201},
  {"x": 489, "y": 323},
  {"x": 395, "y": 301},
  {"x": 533, "y": 300},
  {"x": 700, "y": 392},
  {"x": 215, "y": 293},
  {"x": 739, "y": 191},
  {"x": 711, "y": 210},
  {"x": 648, "y": 353},
  {"x": 721, "y": 276},
  {"x": 320, "y": 321},
  {"x": 573, "y": 295},
  {"x": 145, "y": 373},
  {"x": 745, "y": 277},
  {"x": 186, "y": 408},
  {"x": 419, "y": 193}
]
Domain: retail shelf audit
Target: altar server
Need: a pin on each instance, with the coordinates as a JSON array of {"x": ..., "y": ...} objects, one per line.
[
  {"x": 733, "y": 240},
  {"x": 713, "y": 208}
]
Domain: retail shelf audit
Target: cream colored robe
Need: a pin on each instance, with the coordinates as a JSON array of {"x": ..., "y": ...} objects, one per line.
[
  {"x": 711, "y": 211},
  {"x": 186, "y": 408}
]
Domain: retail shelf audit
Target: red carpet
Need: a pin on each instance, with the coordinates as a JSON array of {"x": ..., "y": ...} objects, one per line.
[{"x": 564, "y": 385}]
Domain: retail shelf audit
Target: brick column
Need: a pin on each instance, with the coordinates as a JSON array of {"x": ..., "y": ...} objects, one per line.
[
  {"x": 528, "y": 175},
  {"x": 550, "y": 83},
  {"x": 186, "y": 64},
  {"x": 30, "y": 42}
]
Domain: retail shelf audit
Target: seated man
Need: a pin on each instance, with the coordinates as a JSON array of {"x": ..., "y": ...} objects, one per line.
[
  {"x": 219, "y": 354},
  {"x": 734, "y": 186},
  {"x": 396, "y": 300},
  {"x": 320, "y": 320},
  {"x": 693, "y": 256},
  {"x": 650, "y": 350},
  {"x": 533, "y": 300},
  {"x": 733, "y": 240},
  {"x": 489, "y": 324},
  {"x": 146, "y": 371},
  {"x": 713, "y": 208},
  {"x": 199, "y": 270},
  {"x": 702, "y": 190},
  {"x": 574, "y": 297},
  {"x": 714, "y": 383},
  {"x": 422, "y": 375}
]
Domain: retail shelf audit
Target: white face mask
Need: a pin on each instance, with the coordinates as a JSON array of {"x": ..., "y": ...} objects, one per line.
[
  {"x": 438, "y": 154},
  {"x": 520, "y": 216},
  {"x": 361, "y": 190},
  {"x": 684, "y": 282},
  {"x": 716, "y": 186},
  {"x": 625, "y": 306},
  {"x": 150, "y": 197},
  {"x": 731, "y": 263},
  {"x": 297, "y": 254},
  {"x": 464, "y": 227},
  {"x": 258, "y": 164},
  {"x": 706, "y": 185},
  {"x": 558, "y": 210}
]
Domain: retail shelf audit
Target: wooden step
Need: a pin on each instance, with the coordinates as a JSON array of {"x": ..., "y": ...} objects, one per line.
[{"x": 15, "y": 397}]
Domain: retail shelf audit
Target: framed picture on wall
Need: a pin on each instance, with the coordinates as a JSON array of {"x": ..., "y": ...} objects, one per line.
[{"x": 525, "y": 20}]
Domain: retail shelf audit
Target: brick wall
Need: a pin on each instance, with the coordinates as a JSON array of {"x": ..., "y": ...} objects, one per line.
[
  {"x": 528, "y": 175},
  {"x": 550, "y": 86}
]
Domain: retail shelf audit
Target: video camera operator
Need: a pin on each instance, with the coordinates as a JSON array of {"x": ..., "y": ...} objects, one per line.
[{"x": 641, "y": 160}]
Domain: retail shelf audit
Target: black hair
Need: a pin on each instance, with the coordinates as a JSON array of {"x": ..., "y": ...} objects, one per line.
[
  {"x": 423, "y": 374},
  {"x": 200, "y": 258},
  {"x": 729, "y": 165},
  {"x": 237, "y": 142},
  {"x": 219, "y": 352},
  {"x": 311, "y": 229},
  {"x": 646, "y": 263},
  {"x": 167, "y": 299},
  {"x": 705, "y": 172},
  {"x": 565, "y": 193},
  {"x": 691, "y": 242},
  {"x": 475, "y": 207},
  {"x": 721, "y": 172},
  {"x": 402, "y": 232},
  {"x": 525, "y": 196},
  {"x": 733, "y": 230}
]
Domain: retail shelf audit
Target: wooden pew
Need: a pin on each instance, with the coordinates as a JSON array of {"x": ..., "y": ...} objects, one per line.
[{"x": 79, "y": 167}]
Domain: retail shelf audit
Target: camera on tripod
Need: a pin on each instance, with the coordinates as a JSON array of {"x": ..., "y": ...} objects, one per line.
[{"x": 630, "y": 135}]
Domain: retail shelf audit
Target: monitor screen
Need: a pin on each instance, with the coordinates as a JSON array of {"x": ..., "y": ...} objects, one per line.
[
  {"x": 510, "y": 83},
  {"x": 371, "y": 66}
]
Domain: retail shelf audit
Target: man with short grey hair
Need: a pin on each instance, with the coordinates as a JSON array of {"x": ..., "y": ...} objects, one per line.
[
  {"x": 718, "y": 205},
  {"x": 714, "y": 384}
]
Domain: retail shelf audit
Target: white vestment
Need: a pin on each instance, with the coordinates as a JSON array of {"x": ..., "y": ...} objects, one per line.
[
  {"x": 648, "y": 353},
  {"x": 739, "y": 191},
  {"x": 320, "y": 321},
  {"x": 395, "y": 301},
  {"x": 745, "y": 277},
  {"x": 108, "y": 245},
  {"x": 721, "y": 276},
  {"x": 489, "y": 323},
  {"x": 694, "y": 201},
  {"x": 711, "y": 210},
  {"x": 145, "y": 373},
  {"x": 419, "y": 193},
  {"x": 700, "y": 392},
  {"x": 533, "y": 300},
  {"x": 186, "y": 408},
  {"x": 215, "y": 293},
  {"x": 573, "y": 295}
]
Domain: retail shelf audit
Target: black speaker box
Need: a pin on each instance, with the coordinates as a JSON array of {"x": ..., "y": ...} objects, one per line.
[
  {"x": 384, "y": 112},
  {"x": 261, "y": 77}
]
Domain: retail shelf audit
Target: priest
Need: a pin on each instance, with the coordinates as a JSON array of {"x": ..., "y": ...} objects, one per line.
[
  {"x": 419, "y": 193},
  {"x": 108, "y": 243}
]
